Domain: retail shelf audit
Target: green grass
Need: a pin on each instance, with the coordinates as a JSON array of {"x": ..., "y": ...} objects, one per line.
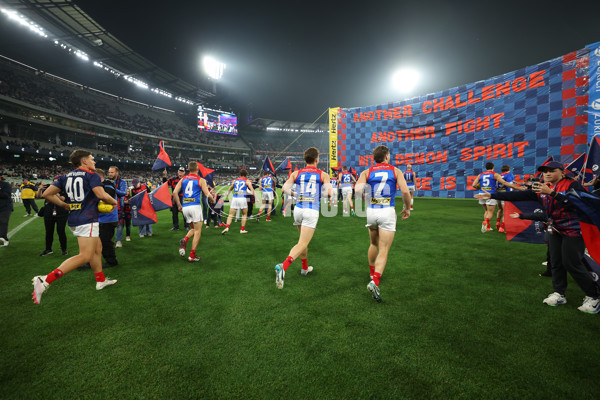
[{"x": 461, "y": 317}]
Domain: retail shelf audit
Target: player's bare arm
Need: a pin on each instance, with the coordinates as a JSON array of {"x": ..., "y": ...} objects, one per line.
[
  {"x": 405, "y": 192},
  {"x": 327, "y": 184},
  {"x": 205, "y": 190},
  {"x": 287, "y": 186},
  {"x": 360, "y": 184}
]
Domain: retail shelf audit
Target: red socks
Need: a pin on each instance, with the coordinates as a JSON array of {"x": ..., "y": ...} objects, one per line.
[
  {"x": 376, "y": 278},
  {"x": 193, "y": 254},
  {"x": 186, "y": 239},
  {"x": 243, "y": 228},
  {"x": 372, "y": 269},
  {"x": 100, "y": 277},
  {"x": 227, "y": 226},
  {"x": 54, "y": 275},
  {"x": 304, "y": 264},
  {"x": 288, "y": 261}
]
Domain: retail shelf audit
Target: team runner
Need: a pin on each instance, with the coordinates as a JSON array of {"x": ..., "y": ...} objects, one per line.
[{"x": 84, "y": 191}]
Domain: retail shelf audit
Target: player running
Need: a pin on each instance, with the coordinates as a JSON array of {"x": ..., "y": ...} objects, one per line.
[
  {"x": 267, "y": 185},
  {"x": 381, "y": 181},
  {"x": 239, "y": 187},
  {"x": 346, "y": 180},
  {"x": 84, "y": 190},
  {"x": 309, "y": 182},
  {"x": 334, "y": 188},
  {"x": 193, "y": 187},
  {"x": 510, "y": 178},
  {"x": 487, "y": 182},
  {"x": 410, "y": 177}
]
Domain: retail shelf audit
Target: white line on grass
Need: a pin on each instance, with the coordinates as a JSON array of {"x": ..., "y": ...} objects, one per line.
[{"x": 18, "y": 228}]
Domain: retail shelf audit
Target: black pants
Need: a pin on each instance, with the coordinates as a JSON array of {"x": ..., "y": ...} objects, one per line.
[
  {"x": 29, "y": 204},
  {"x": 61, "y": 224},
  {"x": 4, "y": 217},
  {"x": 175, "y": 213},
  {"x": 214, "y": 216},
  {"x": 107, "y": 231},
  {"x": 566, "y": 253}
]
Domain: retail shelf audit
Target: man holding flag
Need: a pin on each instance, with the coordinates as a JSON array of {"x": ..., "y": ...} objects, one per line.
[{"x": 567, "y": 246}]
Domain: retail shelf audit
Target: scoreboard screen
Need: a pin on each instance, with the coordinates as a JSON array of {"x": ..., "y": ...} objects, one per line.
[{"x": 219, "y": 121}]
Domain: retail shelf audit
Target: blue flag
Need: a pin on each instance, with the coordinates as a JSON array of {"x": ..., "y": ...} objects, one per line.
[
  {"x": 592, "y": 164},
  {"x": 286, "y": 165},
  {"x": 268, "y": 166},
  {"x": 575, "y": 169},
  {"x": 142, "y": 212},
  {"x": 588, "y": 209},
  {"x": 523, "y": 230}
]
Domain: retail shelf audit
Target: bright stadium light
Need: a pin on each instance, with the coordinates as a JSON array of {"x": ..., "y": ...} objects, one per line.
[
  {"x": 213, "y": 68},
  {"x": 406, "y": 79}
]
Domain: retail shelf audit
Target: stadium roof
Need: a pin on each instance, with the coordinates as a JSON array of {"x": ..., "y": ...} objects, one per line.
[
  {"x": 271, "y": 124},
  {"x": 68, "y": 23}
]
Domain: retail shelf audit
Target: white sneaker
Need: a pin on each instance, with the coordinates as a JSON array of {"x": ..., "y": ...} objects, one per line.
[
  {"x": 107, "y": 282},
  {"x": 374, "y": 289},
  {"x": 545, "y": 263},
  {"x": 590, "y": 305},
  {"x": 309, "y": 269},
  {"x": 224, "y": 231},
  {"x": 118, "y": 244},
  {"x": 39, "y": 287},
  {"x": 279, "y": 276},
  {"x": 555, "y": 299},
  {"x": 128, "y": 239},
  {"x": 3, "y": 242},
  {"x": 244, "y": 231}
]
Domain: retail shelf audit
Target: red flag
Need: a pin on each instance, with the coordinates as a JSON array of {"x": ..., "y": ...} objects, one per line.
[
  {"x": 163, "y": 160},
  {"x": 161, "y": 198}
]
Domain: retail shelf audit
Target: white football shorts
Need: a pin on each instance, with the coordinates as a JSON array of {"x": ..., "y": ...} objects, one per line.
[
  {"x": 384, "y": 218},
  {"x": 192, "y": 213},
  {"x": 267, "y": 196},
  {"x": 346, "y": 191},
  {"x": 306, "y": 217},
  {"x": 86, "y": 230},
  {"x": 489, "y": 202},
  {"x": 411, "y": 188},
  {"x": 239, "y": 203}
]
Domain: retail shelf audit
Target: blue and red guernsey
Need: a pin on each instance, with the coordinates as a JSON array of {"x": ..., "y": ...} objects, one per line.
[
  {"x": 508, "y": 177},
  {"x": 192, "y": 190},
  {"x": 346, "y": 179},
  {"x": 309, "y": 184},
  {"x": 267, "y": 184},
  {"x": 409, "y": 177},
  {"x": 382, "y": 183},
  {"x": 334, "y": 183},
  {"x": 240, "y": 185},
  {"x": 487, "y": 182},
  {"x": 82, "y": 201}
]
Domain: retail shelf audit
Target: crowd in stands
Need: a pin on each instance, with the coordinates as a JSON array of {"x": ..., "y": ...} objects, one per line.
[{"x": 115, "y": 112}]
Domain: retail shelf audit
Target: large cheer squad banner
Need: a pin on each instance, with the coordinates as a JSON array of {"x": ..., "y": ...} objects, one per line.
[{"x": 520, "y": 119}]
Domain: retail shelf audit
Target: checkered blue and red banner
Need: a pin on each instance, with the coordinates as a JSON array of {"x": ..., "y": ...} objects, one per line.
[{"x": 519, "y": 119}]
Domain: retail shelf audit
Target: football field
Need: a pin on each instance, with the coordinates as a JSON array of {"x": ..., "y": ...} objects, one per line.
[{"x": 461, "y": 317}]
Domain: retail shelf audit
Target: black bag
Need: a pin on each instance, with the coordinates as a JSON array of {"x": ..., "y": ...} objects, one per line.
[{"x": 41, "y": 211}]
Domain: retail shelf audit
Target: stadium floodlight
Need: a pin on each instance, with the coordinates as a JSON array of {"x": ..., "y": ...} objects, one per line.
[
  {"x": 213, "y": 68},
  {"x": 406, "y": 79}
]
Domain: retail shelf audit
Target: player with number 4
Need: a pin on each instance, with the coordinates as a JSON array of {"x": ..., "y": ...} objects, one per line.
[
  {"x": 84, "y": 190},
  {"x": 380, "y": 182},
  {"x": 309, "y": 181}
]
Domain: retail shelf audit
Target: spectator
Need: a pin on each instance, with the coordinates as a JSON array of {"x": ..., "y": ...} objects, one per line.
[
  {"x": 54, "y": 216},
  {"x": 28, "y": 190},
  {"x": 108, "y": 223},
  {"x": 138, "y": 187},
  {"x": 6, "y": 208},
  {"x": 124, "y": 222},
  {"x": 172, "y": 183}
]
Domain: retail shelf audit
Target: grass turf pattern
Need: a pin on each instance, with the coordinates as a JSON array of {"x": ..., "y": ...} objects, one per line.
[{"x": 461, "y": 317}]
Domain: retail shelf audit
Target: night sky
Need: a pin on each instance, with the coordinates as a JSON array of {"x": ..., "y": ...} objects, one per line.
[{"x": 291, "y": 60}]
